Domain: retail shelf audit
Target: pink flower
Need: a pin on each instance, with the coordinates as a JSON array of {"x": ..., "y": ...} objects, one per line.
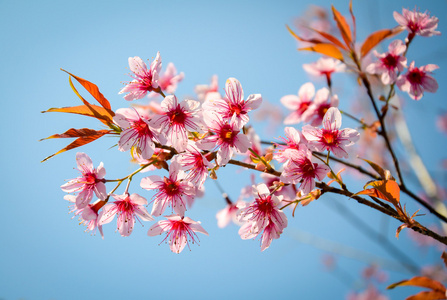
[
  {"x": 91, "y": 181},
  {"x": 178, "y": 229},
  {"x": 301, "y": 169},
  {"x": 136, "y": 132},
  {"x": 262, "y": 214},
  {"x": 88, "y": 214},
  {"x": 169, "y": 79},
  {"x": 318, "y": 108},
  {"x": 418, "y": 80},
  {"x": 204, "y": 91},
  {"x": 292, "y": 141},
  {"x": 324, "y": 66},
  {"x": 193, "y": 161},
  {"x": 144, "y": 80},
  {"x": 229, "y": 213},
  {"x": 226, "y": 137},
  {"x": 233, "y": 106},
  {"x": 288, "y": 192},
  {"x": 129, "y": 208},
  {"x": 417, "y": 23},
  {"x": 298, "y": 104},
  {"x": 173, "y": 191},
  {"x": 177, "y": 119},
  {"x": 330, "y": 137},
  {"x": 389, "y": 63}
]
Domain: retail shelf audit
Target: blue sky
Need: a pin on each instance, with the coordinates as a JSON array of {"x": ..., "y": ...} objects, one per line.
[{"x": 45, "y": 254}]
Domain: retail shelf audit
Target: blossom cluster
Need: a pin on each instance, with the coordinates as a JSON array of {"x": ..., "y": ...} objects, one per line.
[{"x": 192, "y": 138}]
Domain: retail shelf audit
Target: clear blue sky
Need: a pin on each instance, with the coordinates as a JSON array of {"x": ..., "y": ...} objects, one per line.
[{"x": 44, "y": 254}]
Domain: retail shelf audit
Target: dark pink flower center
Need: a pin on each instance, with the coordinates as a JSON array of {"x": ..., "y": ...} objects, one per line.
[
  {"x": 323, "y": 109},
  {"x": 330, "y": 137},
  {"x": 141, "y": 127},
  {"x": 308, "y": 168},
  {"x": 177, "y": 116},
  {"x": 264, "y": 205},
  {"x": 146, "y": 82},
  {"x": 90, "y": 178},
  {"x": 227, "y": 134},
  {"x": 303, "y": 107},
  {"x": 415, "y": 76},
  {"x": 171, "y": 187},
  {"x": 390, "y": 61},
  {"x": 236, "y": 108},
  {"x": 125, "y": 206}
]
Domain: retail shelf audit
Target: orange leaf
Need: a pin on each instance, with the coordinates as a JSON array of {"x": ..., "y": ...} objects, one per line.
[
  {"x": 313, "y": 41},
  {"x": 428, "y": 295},
  {"x": 343, "y": 27},
  {"x": 71, "y": 133},
  {"x": 421, "y": 281},
  {"x": 353, "y": 19},
  {"x": 399, "y": 229},
  {"x": 326, "y": 49},
  {"x": 376, "y": 168},
  {"x": 93, "y": 90},
  {"x": 91, "y": 110},
  {"x": 388, "y": 188},
  {"x": 376, "y": 37},
  {"x": 85, "y": 136},
  {"x": 330, "y": 38}
]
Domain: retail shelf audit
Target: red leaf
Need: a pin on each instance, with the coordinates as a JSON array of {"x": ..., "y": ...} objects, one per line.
[
  {"x": 89, "y": 110},
  {"x": 326, "y": 49},
  {"x": 330, "y": 38},
  {"x": 93, "y": 90},
  {"x": 313, "y": 41},
  {"x": 84, "y": 135},
  {"x": 343, "y": 27},
  {"x": 421, "y": 281},
  {"x": 428, "y": 295},
  {"x": 376, "y": 37}
]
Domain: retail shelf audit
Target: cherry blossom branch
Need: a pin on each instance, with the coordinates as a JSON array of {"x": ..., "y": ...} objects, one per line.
[{"x": 329, "y": 189}]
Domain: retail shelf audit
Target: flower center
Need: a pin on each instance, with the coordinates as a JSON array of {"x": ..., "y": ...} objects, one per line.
[
  {"x": 330, "y": 137},
  {"x": 177, "y": 116},
  {"x": 171, "y": 187},
  {"x": 90, "y": 179},
  {"x": 415, "y": 76},
  {"x": 141, "y": 127},
  {"x": 303, "y": 107},
  {"x": 227, "y": 134},
  {"x": 390, "y": 61},
  {"x": 308, "y": 169},
  {"x": 236, "y": 108}
]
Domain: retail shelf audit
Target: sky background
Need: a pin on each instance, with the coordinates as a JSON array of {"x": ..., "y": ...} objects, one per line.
[{"x": 45, "y": 254}]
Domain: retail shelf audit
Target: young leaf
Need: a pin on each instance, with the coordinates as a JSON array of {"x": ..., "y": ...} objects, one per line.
[
  {"x": 387, "y": 190},
  {"x": 343, "y": 27},
  {"x": 313, "y": 41},
  {"x": 330, "y": 38},
  {"x": 326, "y": 49},
  {"x": 91, "y": 110},
  {"x": 353, "y": 20},
  {"x": 93, "y": 90},
  {"x": 84, "y": 135},
  {"x": 376, "y": 37},
  {"x": 421, "y": 281},
  {"x": 376, "y": 168}
]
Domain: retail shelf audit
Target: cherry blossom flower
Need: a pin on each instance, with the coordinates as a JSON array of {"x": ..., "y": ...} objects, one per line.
[
  {"x": 91, "y": 181},
  {"x": 168, "y": 80},
  {"x": 177, "y": 119},
  {"x": 262, "y": 214},
  {"x": 144, "y": 80},
  {"x": 88, "y": 214},
  {"x": 233, "y": 106},
  {"x": 298, "y": 104},
  {"x": 129, "y": 208},
  {"x": 301, "y": 169},
  {"x": 417, "y": 23},
  {"x": 228, "y": 138},
  {"x": 324, "y": 66},
  {"x": 205, "y": 92},
  {"x": 178, "y": 230},
  {"x": 136, "y": 132},
  {"x": 293, "y": 141},
  {"x": 172, "y": 191},
  {"x": 389, "y": 63},
  {"x": 288, "y": 192},
  {"x": 418, "y": 80},
  {"x": 229, "y": 213},
  {"x": 318, "y": 108},
  {"x": 330, "y": 137},
  {"x": 193, "y": 161}
]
